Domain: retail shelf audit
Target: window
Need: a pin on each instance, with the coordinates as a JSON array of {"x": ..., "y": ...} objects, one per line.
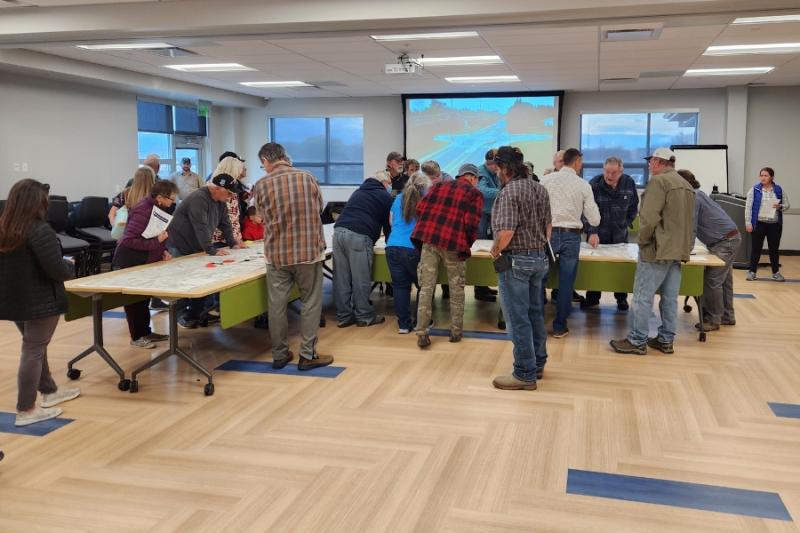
[
  {"x": 172, "y": 133},
  {"x": 331, "y": 148},
  {"x": 632, "y": 137}
]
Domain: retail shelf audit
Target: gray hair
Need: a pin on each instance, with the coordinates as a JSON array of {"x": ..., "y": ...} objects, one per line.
[
  {"x": 613, "y": 160},
  {"x": 430, "y": 167},
  {"x": 273, "y": 152}
]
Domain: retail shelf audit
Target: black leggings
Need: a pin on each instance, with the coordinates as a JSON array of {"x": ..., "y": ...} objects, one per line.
[{"x": 772, "y": 231}]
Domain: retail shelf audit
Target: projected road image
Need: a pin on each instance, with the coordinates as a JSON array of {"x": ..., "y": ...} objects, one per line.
[{"x": 454, "y": 131}]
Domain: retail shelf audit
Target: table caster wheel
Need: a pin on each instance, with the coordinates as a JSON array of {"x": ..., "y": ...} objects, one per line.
[
  {"x": 687, "y": 308},
  {"x": 134, "y": 386},
  {"x": 73, "y": 373},
  {"x": 501, "y": 325},
  {"x": 209, "y": 389},
  {"x": 703, "y": 336},
  {"x": 124, "y": 384}
]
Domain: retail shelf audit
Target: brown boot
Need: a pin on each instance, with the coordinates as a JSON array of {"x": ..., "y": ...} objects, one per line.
[
  {"x": 512, "y": 383},
  {"x": 423, "y": 341},
  {"x": 277, "y": 364},
  {"x": 318, "y": 361}
]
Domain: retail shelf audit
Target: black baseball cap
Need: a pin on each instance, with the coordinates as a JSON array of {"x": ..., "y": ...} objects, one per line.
[
  {"x": 225, "y": 181},
  {"x": 186, "y": 161},
  {"x": 230, "y": 154}
]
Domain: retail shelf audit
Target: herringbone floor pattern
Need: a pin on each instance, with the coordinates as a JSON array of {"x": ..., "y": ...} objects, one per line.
[{"x": 406, "y": 440}]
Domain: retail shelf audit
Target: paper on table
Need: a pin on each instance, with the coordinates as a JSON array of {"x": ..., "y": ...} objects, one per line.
[{"x": 159, "y": 220}]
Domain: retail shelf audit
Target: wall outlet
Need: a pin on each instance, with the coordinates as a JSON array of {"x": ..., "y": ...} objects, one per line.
[
  {"x": 24, "y": 167},
  {"x": 16, "y": 167}
]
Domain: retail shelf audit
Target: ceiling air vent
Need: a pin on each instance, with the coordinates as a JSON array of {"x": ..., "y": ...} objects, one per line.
[
  {"x": 631, "y": 32},
  {"x": 172, "y": 52},
  {"x": 619, "y": 80}
]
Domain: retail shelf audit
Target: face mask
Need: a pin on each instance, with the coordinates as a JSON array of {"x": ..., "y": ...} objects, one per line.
[{"x": 170, "y": 209}]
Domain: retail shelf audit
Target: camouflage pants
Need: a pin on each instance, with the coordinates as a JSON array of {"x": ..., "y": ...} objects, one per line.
[{"x": 428, "y": 272}]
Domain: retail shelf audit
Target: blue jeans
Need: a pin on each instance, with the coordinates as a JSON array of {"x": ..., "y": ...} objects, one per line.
[
  {"x": 652, "y": 277},
  {"x": 523, "y": 308},
  {"x": 403, "y": 264},
  {"x": 352, "y": 275},
  {"x": 566, "y": 246}
]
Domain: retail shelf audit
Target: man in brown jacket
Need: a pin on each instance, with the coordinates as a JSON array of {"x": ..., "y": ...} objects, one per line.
[{"x": 665, "y": 240}]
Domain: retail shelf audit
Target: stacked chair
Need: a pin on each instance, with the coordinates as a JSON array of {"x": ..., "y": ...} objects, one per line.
[
  {"x": 78, "y": 249},
  {"x": 90, "y": 221}
]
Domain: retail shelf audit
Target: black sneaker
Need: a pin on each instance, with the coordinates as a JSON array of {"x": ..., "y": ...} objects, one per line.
[
  {"x": 347, "y": 323},
  {"x": 157, "y": 304},
  {"x": 622, "y": 305},
  {"x": 187, "y": 323},
  {"x": 377, "y": 319},
  {"x": 586, "y": 304},
  {"x": 663, "y": 347}
]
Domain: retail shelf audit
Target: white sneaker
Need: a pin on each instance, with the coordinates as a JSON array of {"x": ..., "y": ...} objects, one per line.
[
  {"x": 751, "y": 276},
  {"x": 59, "y": 396},
  {"x": 403, "y": 331},
  {"x": 143, "y": 342},
  {"x": 777, "y": 276},
  {"x": 39, "y": 414}
]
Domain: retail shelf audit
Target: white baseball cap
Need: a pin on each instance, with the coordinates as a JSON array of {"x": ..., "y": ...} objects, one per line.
[{"x": 663, "y": 153}]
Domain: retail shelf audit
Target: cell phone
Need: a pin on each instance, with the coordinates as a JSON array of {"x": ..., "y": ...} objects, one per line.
[{"x": 502, "y": 263}]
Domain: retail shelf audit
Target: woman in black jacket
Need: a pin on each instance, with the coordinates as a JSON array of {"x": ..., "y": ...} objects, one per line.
[{"x": 32, "y": 295}]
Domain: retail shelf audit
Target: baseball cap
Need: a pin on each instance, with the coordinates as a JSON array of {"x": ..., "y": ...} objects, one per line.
[
  {"x": 467, "y": 168},
  {"x": 395, "y": 156},
  {"x": 230, "y": 154},
  {"x": 662, "y": 153},
  {"x": 225, "y": 181},
  {"x": 186, "y": 161}
]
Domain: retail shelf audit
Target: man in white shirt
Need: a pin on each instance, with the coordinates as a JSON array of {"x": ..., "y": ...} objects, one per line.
[{"x": 570, "y": 198}]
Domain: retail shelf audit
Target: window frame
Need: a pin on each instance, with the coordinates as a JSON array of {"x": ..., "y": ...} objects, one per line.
[
  {"x": 177, "y": 140},
  {"x": 328, "y": 163},
  {"x": 638, "y": 165}
]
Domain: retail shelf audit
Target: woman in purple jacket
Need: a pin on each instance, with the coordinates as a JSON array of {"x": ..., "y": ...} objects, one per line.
[{"x": 134, "y": 250}]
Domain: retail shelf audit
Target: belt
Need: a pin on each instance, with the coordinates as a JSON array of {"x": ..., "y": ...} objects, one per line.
[
  {"x": 522, "y": 252},
  {"x": 570, "y": 230}
]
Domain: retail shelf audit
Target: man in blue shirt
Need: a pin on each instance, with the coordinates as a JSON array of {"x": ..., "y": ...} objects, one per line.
[
  {"x": 489, "y": 185},
  {"x": 616, "y": 197}
]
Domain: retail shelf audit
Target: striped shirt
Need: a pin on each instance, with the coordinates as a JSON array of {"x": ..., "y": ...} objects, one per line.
[
  {"x": 522, "y": 206},
  {"x": 290, "y": 202},
  {"x": 570, "y": 197}
]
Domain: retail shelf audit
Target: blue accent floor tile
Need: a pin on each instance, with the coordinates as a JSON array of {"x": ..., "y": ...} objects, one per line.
[
  {"x": 486, "y": 335},
  {"x": 745, "y": 296},
  {"x": 785, "y": 410},
  {"x": 678, "y": 494},
  {"x": 39, "y": 429},
  {"x": 114, "y": 314},
  {"x": 265, "y": 367}
]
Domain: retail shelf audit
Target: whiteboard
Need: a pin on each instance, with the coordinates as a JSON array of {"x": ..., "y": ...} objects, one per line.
[{"x": 708, "y": 163}]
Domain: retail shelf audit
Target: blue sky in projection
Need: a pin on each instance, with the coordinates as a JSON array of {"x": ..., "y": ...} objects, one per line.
[{"x": 454, "y": 131}]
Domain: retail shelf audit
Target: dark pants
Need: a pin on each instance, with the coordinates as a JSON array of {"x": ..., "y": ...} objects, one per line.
[
  {"x": 191, "y": 309},
  {"x": 484, "y": 232},
  {"x": 594, "y": 296},
  {"x": 34, "y": 372},
  {"x": 403, "y": 263},
  {"x": 772, "y": 231},
  {"x": 138, "y": 317}
]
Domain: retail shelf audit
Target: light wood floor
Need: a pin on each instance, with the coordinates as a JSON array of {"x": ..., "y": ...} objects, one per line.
[{"x": 406, "y": 440}]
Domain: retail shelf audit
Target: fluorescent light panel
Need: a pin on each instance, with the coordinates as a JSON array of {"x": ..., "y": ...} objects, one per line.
[
  {"x": 125, "y": 46},
  {"x": 210, "y": 67},
  {"x": 696, "y": 72},
  {"x": 421, "y": 36},
  {"x": 768, "y": 20},
  {"x": 737, "y": 49},
  {"x": 275, "y": 84},
  {"x": 464, "y": 60},
  {"x": 483, "y": 79}
]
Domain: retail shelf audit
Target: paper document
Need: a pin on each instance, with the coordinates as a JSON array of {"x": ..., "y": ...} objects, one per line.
[{"x": 159, "y": 220}]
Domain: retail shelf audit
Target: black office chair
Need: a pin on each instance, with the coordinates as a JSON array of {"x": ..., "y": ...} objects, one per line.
[
  {"x": 91, "y": 224},
  {"x": 332, "y": 211},
  {"x": 78, "y": 249}
]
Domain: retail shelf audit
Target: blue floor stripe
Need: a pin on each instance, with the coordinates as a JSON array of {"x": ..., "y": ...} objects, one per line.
[
  {"x": 265, "y": 367},
  {"x": 486, "y": 335},
  {"x": 678, "y": 494},
  {"x": 114, "y": 314},
  {"x": 39, "y": 429},
  {"x": 745, "y": 296},
  {"x": 785, "y": 410}
]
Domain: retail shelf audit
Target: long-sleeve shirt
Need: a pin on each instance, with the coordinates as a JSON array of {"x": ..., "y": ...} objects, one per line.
[
  {"x": 712, "y": 224},
  {"x": 290, "y": 202},
  {"x": 138, "y": 218},
  {"x": 489, "y": 185},
  {"x": 571, "y": 198},
  {"x": 448, "y": 217},
  {"x": 666, "y": 218},
  {"x": 194, "y": 223},
  {"x": 367, "y": 210},
  {"x": 768, "y": 199},
  {"x": 618, "y": 208}
]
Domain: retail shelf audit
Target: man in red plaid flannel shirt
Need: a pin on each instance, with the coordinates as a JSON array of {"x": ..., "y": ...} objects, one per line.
[{"x": 447, "y": 225}]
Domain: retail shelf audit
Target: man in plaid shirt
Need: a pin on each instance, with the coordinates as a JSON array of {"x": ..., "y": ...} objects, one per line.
[
  {"x": 290, "y": 203},
  {"x": 447, "y": 225}
]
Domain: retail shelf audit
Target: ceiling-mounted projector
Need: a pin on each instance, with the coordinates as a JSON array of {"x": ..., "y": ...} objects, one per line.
[{"x": 404, "y": 65}]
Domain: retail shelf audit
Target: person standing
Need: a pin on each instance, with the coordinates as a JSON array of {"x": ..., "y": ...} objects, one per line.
[
  {"x": 616, "y": 198},
  {"x": 402, "y": 256},
  {"x": 32, "y": 296},
  {"x": 489, "y": 185},
  {"x": 447, "y": 226},
  {"x": 571, "y": 200},
  {"x": 395, "y": 162},
  {"x": 186, "y": 180},
  {"x": 763, "y": 214},
  {"x": 232, "y": 166},
  {"x": 521, "y": 225},
  {"x": 714, "y": 228},
  {"x": 354, "y": 236},
  {"x": 665, "y": 241},
  {"x": 289, "y": 201},
  {"x": 434, "y": 172}
]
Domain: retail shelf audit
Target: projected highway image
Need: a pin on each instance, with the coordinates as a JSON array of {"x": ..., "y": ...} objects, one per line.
[{"x": 454, "y": 131}]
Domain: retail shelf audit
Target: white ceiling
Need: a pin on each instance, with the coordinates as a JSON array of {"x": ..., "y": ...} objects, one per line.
[{"x": 567, "y": 55}]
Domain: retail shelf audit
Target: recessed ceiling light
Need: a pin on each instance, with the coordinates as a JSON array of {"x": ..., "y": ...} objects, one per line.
[
  {"x": 210, "y": 67},
  {"x": 275, "y": 84},
  {"x": 694, "y": 72},
  {"x": 737, "y": 49},
  {"x": 419, "y": 36},
  {"x": 464, "y": 60},
  {"x": 483, "y": 79},
  {"x": 768, "y": 20},
  {"x": 125, "y": 46}
]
